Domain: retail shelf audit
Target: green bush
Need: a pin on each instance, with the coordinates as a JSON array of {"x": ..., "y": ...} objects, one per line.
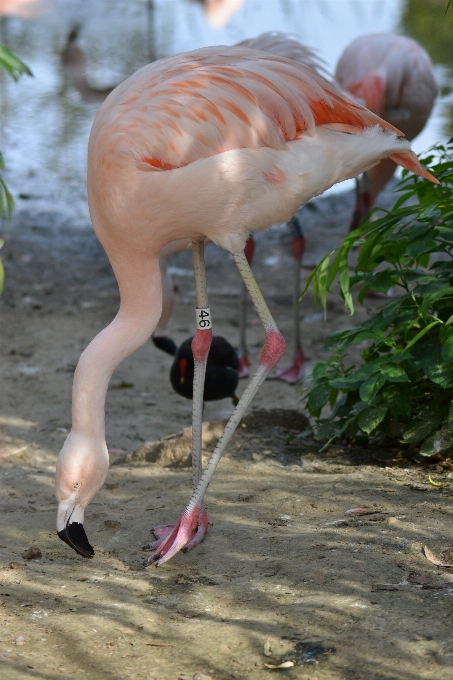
[{"x": 403, "y": 391}]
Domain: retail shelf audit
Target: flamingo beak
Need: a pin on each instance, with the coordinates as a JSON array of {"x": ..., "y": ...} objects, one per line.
[
  {"x": 70, "y": 528},
  {"x": 75, "y": 536}
]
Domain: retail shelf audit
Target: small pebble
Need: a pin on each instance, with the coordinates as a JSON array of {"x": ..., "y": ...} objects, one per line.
[
  {"x": 32, "y": 553},
  {"x": 20, "y": 640},
  {"x": 112, "y": 524},
  {"x": 393, "y": 521},
  {"x": 416, "y": 547}
]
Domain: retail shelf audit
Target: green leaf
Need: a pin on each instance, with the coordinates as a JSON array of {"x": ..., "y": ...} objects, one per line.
[
  {"x": 423, "y": 259},
  {"x": 345, "y": 281},
  {"x": 447, "y": 350},
  {"x": 313, "y": 278},
  {"x": 371, "y": 417},
  {"x": 371, "y": 387},
  {"x": 432, "y": 212},
  {"x": 397, "y": 399},
  {"x": 322, "y": 285},
  {"x": 319, "y": 369},
  {"x": 365, "y": 254},
  {"x": 422, "y": 333},
  {"x": 440, "y": 441},
  {"x": 12, "y": 65},
  {"x": 394, "y": 373},
  {"x": 434, "y": 296},
  {"x": 355, "y": 378},
  {"x": 417, "y": 431},
  {"x": 6, "y": 200},
  {"x": 318, "y": 397},
  {"x": 440, "y": 374},
  {"x": 380, "y": 281}
]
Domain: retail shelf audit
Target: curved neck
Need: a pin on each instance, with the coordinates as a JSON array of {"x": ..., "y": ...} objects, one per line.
[{"x": 140, "y": 309}]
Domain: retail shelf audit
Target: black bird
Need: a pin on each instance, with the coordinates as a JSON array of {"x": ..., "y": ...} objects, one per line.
[{"x": 222, "y": 369}]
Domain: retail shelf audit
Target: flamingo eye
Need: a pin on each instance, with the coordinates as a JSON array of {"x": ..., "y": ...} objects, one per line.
[{"x": 77, "y": 485}]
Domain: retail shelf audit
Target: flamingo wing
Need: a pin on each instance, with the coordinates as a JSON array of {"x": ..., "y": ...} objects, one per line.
[
  {"x": 284, "y": 45},
  {"x": 236, "y": 98},
  {"x": 200, "y": 104}
]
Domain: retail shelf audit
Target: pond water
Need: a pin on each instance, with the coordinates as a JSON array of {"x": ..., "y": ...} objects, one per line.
[{"x": 45, "y": 120}]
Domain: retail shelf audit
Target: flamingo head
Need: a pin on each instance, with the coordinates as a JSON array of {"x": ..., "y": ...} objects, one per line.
[{"x": 81, "y": 470}]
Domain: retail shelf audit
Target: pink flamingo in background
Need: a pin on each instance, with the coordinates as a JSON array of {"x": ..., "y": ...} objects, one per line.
[
  {"x": 219, "y": 12},
  {"x": 393, "y": 76},
  {"x": 74, "y": 63},
  {"x": 213, "y": 143},
  {"x": 25, "y": 9}
]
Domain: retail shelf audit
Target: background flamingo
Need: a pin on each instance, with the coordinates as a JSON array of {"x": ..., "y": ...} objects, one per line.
[
  {"x": 74, "y": 63},
  {"x": 213, "y": 143},
  {"x": 393, "y": 76},
  {"x": 219, "y": 12},
  {"x": 25, "y": 9}
]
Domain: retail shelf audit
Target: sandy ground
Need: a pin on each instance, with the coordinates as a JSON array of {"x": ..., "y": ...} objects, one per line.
[{"x": 283, "y": 576}]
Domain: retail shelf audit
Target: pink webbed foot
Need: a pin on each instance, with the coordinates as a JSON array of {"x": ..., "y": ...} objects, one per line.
[
  {"x": 161, "y": 532},
  {"x": 244, "y": 365},
  {"x": 188, "y": 532},
  {"x": 293, "y": 373}
]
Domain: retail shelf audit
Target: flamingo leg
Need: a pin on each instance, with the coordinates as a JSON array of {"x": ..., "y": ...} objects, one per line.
[
  {"x": 295, "y": 372},
  {"x": 200, "y": 348},
  {"x": 363, "y": 201},
  {"x": 244, "y": 361},
  {"x": 185, "y": 534},
  {"x": 201, "y": 344}
]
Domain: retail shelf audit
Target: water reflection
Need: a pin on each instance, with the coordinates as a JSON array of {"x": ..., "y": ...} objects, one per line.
[{"x": 45, "y": 121}]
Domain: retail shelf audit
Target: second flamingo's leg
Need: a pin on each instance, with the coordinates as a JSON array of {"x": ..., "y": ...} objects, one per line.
[
  {"x": 244, "y": 361},
  {"x": 274, "y": 347},
  {"x": 363, "y": 201},
  {"x": 295, "y": 372},
  {"x": 200, "y": 348}
]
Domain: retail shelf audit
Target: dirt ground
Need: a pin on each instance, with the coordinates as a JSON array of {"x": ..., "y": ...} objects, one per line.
[{"x": 284, "y": 576}]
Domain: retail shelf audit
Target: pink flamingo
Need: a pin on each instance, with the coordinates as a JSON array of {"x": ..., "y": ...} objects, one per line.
[
  {"x": 393, "y": 76},
  {"x": 213, "y": 143},
  {"x": 282, "y": 45}
]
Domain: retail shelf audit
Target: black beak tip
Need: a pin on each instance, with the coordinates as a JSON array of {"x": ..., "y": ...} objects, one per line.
[{"x": 74, "y": 535}]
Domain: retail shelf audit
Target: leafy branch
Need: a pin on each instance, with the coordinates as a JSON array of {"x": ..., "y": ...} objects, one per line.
[
  {"x": 12, "y": 64},
  {"x": 403, "y": 391}
]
